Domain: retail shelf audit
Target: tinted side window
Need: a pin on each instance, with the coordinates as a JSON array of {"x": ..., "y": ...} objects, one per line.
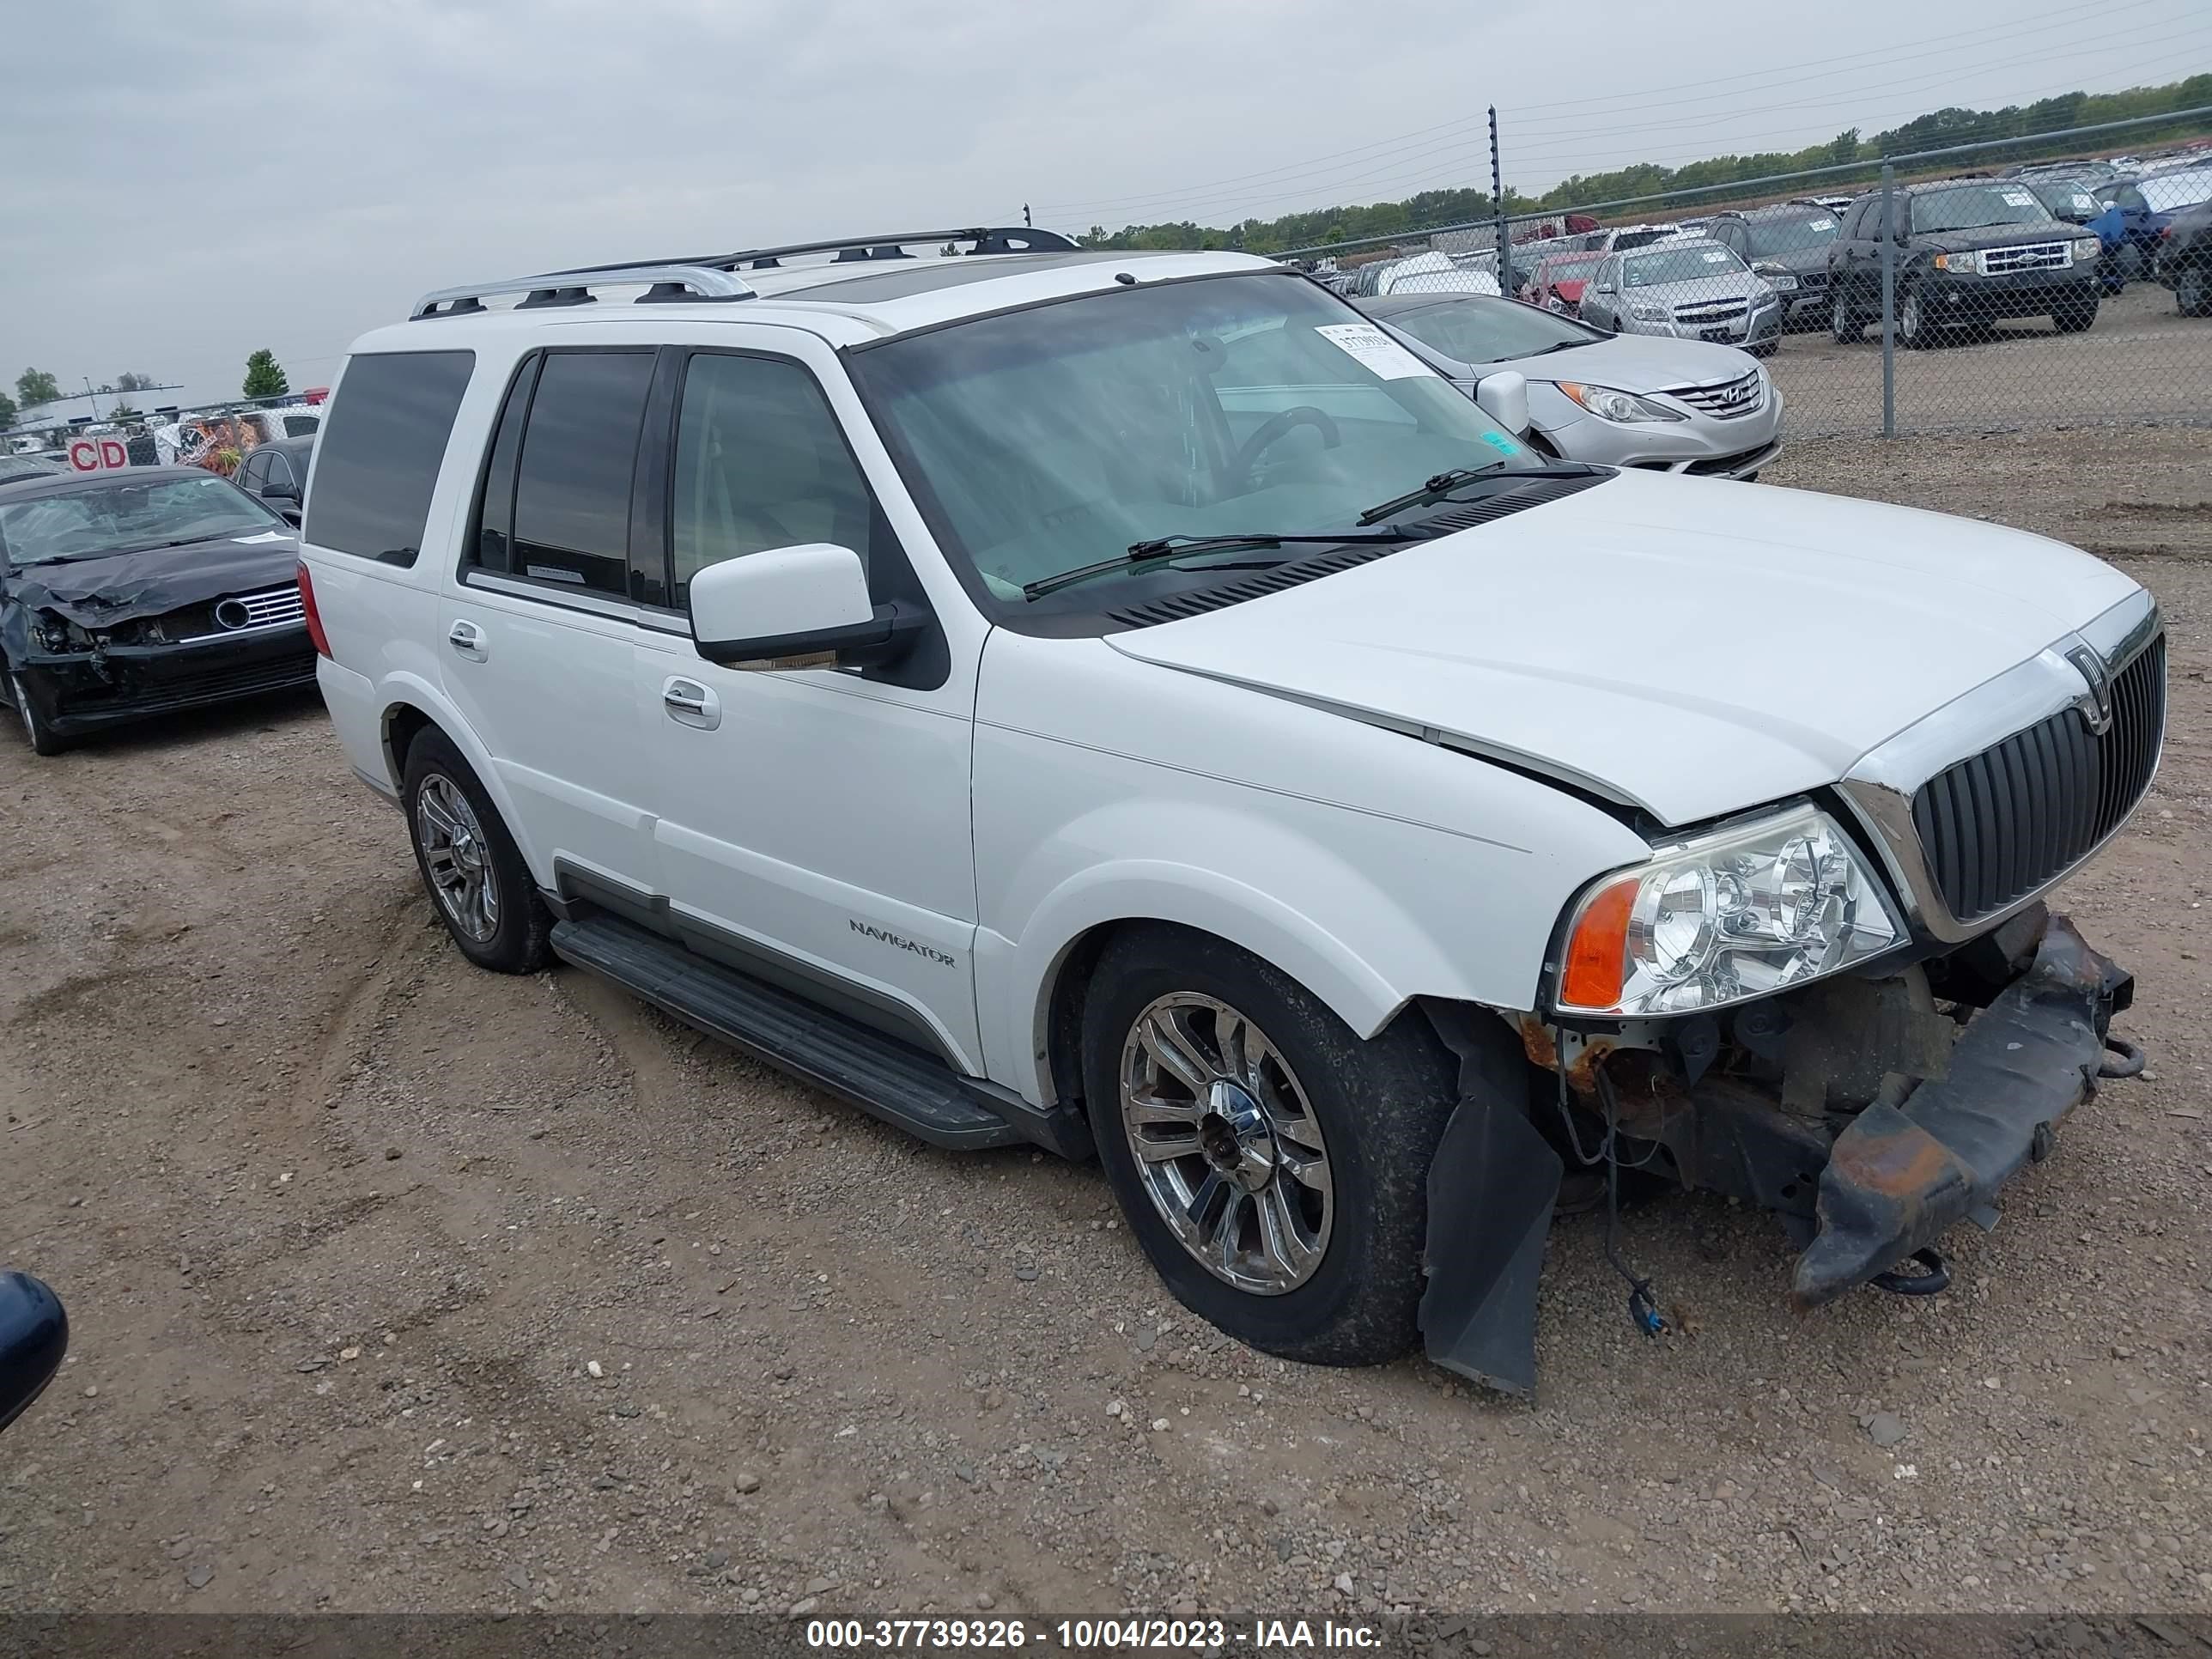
[
  {"x": 493, "y": 546},
  {"x": 573, "y": 484},
  {"x": 279, "y": 473},
  {"x": 760, "y": 463},
  {"x": 253, "y": 473},
  {"x": 382, "y": 446}
]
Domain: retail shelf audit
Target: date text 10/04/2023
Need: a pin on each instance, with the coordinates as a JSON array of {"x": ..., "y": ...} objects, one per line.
[{"x": 1204, "y": 1636}]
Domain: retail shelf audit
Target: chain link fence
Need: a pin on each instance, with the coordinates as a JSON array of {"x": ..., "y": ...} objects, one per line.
[{"x": 1943, "y": 291}]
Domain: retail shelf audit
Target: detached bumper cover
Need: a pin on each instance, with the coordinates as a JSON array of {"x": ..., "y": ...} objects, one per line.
[{"x": 1897, "y": 1177}]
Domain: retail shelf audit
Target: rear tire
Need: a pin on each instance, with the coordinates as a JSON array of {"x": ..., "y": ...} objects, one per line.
[
  {"x": 41, "y": 736},
  {"x": 1188, "y": 1041},
  {"x": 478, "y": 883}
]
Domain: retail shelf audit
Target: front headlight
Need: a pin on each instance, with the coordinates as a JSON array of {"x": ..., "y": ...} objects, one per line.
[
  {"x": 1959, "y": 264},
  {"x": 1730, "y": 916},
  {"x": 2087, "y": 248},
  {"x": 1611, "y": 403},
  {"x": 1645, "y": 314}
]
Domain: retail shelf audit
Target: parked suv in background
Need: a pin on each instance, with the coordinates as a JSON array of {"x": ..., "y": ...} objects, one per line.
[
  {"x": 1128, "y": 701},
  {"x": 1788, "y": 245},
  {"x": 2185, "y": 260},
  {"x": 1967, "y": 252}
]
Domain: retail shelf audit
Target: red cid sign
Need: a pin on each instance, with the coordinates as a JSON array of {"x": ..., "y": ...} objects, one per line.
[{"x": 98, "y": 454}]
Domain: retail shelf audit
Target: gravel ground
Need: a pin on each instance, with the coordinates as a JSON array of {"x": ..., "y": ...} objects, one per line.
[
  {"x": 2141, "y": 361},
  {"x": 399, "y": 1286}
]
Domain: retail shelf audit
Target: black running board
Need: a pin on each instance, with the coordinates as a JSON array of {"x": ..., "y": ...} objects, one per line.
[{"x": 881, "y": 1076}]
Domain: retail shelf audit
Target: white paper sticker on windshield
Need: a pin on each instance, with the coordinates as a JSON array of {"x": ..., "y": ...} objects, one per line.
[
  {"x": 2018, "y": 198},
  {"x": 266, "y": 536},
  {"x": 1719, "y": 255},
  {"x": 1821, "y": 224},
  {"x": 1373, "y": 350}
]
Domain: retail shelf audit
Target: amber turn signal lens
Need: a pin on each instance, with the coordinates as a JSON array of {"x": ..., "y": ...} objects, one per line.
[{"x": 1597, "y": 953}]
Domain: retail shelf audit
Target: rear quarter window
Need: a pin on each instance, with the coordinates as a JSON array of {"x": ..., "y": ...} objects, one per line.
[{"x": 381, "y": 448}]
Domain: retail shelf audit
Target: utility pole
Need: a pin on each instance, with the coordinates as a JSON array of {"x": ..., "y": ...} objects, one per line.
[
  {"x": 1498, "y": 202},
  {"x": 92, "y": 397}
]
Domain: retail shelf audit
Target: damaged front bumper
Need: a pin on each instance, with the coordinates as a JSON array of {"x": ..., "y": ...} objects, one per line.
[
  {"x": 78, "y": 691},
  {"x": 1898, "y": 1176},
  {"x": 1870, "y": 1115}
]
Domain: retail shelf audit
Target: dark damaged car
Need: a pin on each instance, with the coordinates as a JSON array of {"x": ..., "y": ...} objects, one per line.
[{"x": 138, "y": 592}]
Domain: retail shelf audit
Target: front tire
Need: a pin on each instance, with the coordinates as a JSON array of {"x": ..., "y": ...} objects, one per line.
[
  {"x": 1272, "y": 1164},
  {"x": 478, "y": 881},
  {"x": 1844, "y": 324},
  {"x": 2073, "y": 319},
  {"x": 37, "y": 730},
  {"x": 2192, "y": 290},
  {"x": 1914, "y": 330}
]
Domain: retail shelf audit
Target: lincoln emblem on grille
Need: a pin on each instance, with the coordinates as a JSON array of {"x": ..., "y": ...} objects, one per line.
[{"x": 2096, "y": 707}]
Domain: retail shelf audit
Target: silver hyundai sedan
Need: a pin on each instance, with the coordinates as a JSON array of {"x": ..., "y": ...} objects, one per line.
[{"x": 1622, "y": 399}]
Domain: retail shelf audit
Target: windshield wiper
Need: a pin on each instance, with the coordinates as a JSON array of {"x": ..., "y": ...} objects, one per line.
[
  {"x": 1168, "y": 547},
  {"x": 1441, "y": 487}
]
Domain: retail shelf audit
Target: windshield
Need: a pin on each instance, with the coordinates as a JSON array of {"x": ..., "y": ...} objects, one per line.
[
  {"x": 1483, "y": 330},
  {"x": 1970, "y": 207},
  {"x": 124, "y": 517},
  {"x": 1770, "y": 239},
  {"x": 1060, "y": 436},
  {"x": 1639, "y": 238},
  {"x": 2064, "y": 197},
  {"x": 1568, "y": 271},
  {"x": 1692, "y": 262}
]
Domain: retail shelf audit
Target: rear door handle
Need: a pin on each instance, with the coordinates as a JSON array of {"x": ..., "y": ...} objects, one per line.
[
  {"x": 691, "y": 703},
  {"x": 468, "y": 639}
]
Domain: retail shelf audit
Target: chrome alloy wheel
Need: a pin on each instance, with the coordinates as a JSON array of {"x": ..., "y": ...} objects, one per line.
[
  {"x": 1226, "y": 1143},
  {"x": 454, "y": 853}
]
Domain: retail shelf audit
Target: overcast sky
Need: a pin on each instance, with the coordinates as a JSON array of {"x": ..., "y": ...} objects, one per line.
[{"x": 182, "y": 183}]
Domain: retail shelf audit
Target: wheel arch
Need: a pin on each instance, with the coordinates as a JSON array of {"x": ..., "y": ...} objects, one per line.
[
  {"x": 1079, "y": 925},
  {"x": 412, "y": 707}
]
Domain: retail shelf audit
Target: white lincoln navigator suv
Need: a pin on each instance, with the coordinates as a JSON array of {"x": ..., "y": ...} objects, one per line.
[{"x": 1128, "y": 702}]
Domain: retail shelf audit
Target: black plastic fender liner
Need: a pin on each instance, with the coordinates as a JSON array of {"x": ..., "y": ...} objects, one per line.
[
  {"x": 1897, "y": 1177},
  {"x": 1491, "y": 1185}
]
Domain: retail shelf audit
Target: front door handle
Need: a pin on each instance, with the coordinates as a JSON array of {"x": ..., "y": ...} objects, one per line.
[
  {"x": 691, "y": 703},
  {"x": 468, "y": 639}
]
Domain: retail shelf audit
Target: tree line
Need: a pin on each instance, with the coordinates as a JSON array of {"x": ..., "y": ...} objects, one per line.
[
  {"x": 265, "y": 377},
  {"x": 1937, "y": 130}
]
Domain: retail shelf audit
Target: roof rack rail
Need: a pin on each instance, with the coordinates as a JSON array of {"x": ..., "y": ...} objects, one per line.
[
  {"x": 675, "y": 280},
  {"x": 987, "y": 239}
]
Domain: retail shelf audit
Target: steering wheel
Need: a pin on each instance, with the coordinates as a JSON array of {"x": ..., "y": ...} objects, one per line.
[{"x": 1278, "y": 426}]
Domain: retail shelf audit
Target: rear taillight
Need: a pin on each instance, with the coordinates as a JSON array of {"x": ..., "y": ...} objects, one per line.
[{"x": 322, "y": 640}]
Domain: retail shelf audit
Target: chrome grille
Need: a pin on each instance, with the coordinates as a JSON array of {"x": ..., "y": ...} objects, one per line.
[
  {"x": 1998, "y": 825},
  {"x": 1722, "y": 400},
  {"x": 272, "y": 607},
  {"x": 1711, "y": 310},
  {"x": 2037, "y": 256}
]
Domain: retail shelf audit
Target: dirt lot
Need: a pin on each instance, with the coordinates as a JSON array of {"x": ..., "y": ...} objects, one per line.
[
  {"x": 2139, "y": 361},
  {"x": 400, "y": 1285}
]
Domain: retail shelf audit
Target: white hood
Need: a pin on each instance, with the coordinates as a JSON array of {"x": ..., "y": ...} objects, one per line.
[{"x": 1690, "y": 646}]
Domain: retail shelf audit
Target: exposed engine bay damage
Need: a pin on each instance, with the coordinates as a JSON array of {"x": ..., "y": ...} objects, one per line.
[{"x": 1869, "y": 1114}]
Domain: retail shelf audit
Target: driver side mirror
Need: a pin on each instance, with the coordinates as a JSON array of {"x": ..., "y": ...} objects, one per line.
[
  {"x": 796, "y": 607},
  {"x": 33, "y": 1336},
  {"x": 1504, "y": 397}
]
